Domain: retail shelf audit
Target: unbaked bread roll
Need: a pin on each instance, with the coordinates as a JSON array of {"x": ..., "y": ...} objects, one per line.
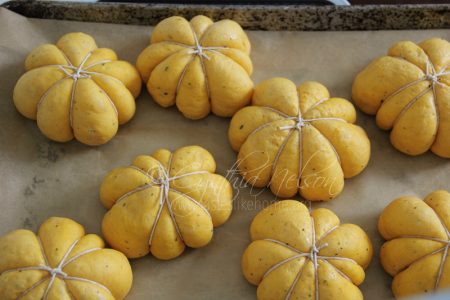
[
  {"x": 409, "y": 92},
  {"x": 200, "y": 66},
  {"x": 298, "y": 254},
  {"x": 165, "y": 202},
  {"x": 298, "y": 140},
  {"x": 61, "y": 262},
  {"x": 75, "y": 90},
  {"x": 416, "y": 252}
]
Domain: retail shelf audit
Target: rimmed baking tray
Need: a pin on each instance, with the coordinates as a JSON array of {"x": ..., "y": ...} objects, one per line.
[{"x": 41, "y": 178}]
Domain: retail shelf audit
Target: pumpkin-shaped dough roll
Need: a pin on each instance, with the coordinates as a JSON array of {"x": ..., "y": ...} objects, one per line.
[
  {"x": 61, "y": 262},
  {"x": 417, "y": 252},
  {"x": 200, "y": 66},
  {"x": 165, "y": 202},
  {"x": 75, "y": 90},
  {"x": 409, "y": 92},
  {"x": 301, "y": 254},
  {"x": 298, "y": 139}
]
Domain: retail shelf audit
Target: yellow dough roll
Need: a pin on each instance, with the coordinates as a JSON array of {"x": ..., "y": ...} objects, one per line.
[
  {"x": 61, "y": 262},
  {"x": 300, "y": 254},
  {"x": 200, "y": 66},
  {"x": 75, "y": 90},
  {"x": 416, "y": 252},
  {"x": 298, "y": 140},
  {"x": 164, "y": 202},
  {"x": 409, "y": 92}
]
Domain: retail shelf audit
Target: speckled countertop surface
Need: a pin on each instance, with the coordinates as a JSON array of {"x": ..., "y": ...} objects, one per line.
[{"x": 257, "y": 17}]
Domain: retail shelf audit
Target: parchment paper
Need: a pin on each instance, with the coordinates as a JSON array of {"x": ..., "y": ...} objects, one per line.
[{"x": 40, "y": 179}]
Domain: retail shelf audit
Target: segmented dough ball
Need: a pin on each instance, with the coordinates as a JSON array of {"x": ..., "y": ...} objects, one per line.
[
  {"x": 298, "y": 254},
  {"x": 416, "y": 252},
  {"x": 75, "y": 90},
  {"x": 298, "y": 139},
  {"x": 61, "y": 262},
  {"x": 165, "y": 202},
  {"x": 409, "y": 92},
  {"x": 200, "y": 66}
]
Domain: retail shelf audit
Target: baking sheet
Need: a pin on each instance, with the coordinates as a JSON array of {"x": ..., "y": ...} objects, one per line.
[{"x": 40, "y": 178}]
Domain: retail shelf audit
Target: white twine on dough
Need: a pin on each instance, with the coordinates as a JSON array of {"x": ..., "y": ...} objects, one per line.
[
  {"x": 313, "y": 256},
  {"x": 163, "y": 182},
  {"x": 280, "y": 150},
  {"x": 430, "y": 75},
  {"x": 77, "y": 73},
  {"x": 197, "y": 50},
  {"x": 299, "y": 123},
  {"x": 444, "y": 249},
  {"x": 441, "y": 266},
  {"x": 56, "y": 272}
]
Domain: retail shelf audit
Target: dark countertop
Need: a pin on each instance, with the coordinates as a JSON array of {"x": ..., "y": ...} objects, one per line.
[{"x": 256, "y": 17}]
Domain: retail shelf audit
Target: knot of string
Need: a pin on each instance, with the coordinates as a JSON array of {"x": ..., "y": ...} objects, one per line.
[
  {"x": 199, "y": 50},
  {"x": 163, "y": 181},
  {"x": 432, "y": 75},
  {"x": 57, "y": 272},
  {"x": 301, "y": 122},
  {"x": 77, "y": 72}
]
